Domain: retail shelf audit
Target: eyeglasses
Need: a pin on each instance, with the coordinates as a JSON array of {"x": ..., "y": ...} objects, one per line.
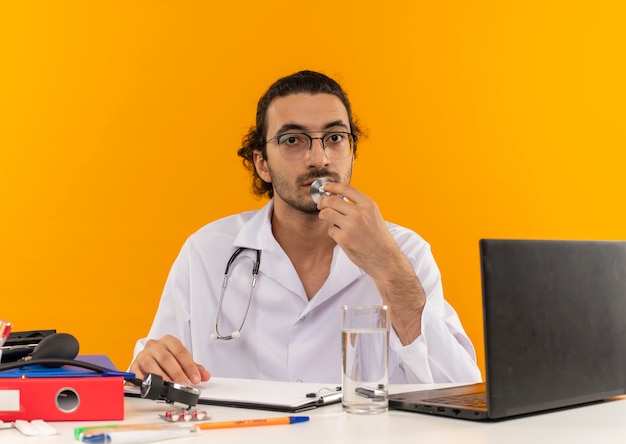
[{"x": 295, "y": 146}]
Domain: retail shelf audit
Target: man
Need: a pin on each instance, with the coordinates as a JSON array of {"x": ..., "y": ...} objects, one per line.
[{"x": 312, "y": 259}]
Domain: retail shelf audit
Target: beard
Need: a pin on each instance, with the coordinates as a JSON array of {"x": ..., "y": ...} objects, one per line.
[{"x": 292, "y": 194}]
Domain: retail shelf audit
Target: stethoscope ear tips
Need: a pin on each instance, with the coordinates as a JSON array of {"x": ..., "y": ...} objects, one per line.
[
  {"x": 213, "y": 336},
  {"x": 236, "y": 334}
]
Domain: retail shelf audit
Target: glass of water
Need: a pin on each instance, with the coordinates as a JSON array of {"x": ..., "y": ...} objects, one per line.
[{"x": 365, "y": 342}]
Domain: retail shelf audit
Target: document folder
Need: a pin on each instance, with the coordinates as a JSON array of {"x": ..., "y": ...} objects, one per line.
[
  {"x": 62, "y": 399},
  {"x": 65, "y": 393}
]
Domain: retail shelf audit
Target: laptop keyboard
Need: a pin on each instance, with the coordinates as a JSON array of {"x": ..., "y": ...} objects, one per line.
[{"x": 472, "y": 400}]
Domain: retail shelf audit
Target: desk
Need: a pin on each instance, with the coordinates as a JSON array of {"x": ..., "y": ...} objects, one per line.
[{"x": 597, "y": 424}]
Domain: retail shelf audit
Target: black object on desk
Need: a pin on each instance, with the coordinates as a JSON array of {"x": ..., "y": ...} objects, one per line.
[{"x": 20, "y": 344}]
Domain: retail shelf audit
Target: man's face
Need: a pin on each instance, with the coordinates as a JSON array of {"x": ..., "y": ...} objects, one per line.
[{"x": 314, "y": 114}]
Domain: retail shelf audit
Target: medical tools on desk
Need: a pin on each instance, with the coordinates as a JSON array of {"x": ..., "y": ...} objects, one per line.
[
  {"x": 50, "y": 384},
  {"x": 154, "y": 387}
]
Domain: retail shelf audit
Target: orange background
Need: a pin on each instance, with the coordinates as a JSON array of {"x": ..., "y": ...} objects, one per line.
[{"x": 120, "y": 121}]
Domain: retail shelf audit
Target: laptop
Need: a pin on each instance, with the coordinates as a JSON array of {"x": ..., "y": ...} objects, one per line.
[{"x": 554, "y": 316}]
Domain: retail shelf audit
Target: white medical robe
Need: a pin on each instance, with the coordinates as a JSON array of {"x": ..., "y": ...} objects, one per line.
[{"x": 285, "y": 336}]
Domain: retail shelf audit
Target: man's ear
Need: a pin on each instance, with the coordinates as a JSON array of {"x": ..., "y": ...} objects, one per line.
[{"x": 261, "y": 166}]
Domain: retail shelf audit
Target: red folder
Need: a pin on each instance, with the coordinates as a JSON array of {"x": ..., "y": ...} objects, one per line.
[{"x": 62, "y": 399}]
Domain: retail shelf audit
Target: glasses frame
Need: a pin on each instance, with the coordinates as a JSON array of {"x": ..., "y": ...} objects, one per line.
[{"x": 322, "y": 139}]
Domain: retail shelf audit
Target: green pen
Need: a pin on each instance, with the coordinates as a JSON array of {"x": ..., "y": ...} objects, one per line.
[{"x": 80, "y": 432}]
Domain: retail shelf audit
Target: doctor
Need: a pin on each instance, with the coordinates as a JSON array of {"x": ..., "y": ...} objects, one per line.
[{"x": 311, "y": 259}]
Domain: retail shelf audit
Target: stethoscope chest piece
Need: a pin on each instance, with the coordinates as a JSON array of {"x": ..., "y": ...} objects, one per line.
[{"x": 317, "y": 189}]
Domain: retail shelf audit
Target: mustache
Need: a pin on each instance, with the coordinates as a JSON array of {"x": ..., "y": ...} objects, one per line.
[{"x": 317, "y": 173}]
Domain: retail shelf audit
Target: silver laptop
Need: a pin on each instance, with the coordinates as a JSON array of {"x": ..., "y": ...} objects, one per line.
[{"x": 554, "y": 316}]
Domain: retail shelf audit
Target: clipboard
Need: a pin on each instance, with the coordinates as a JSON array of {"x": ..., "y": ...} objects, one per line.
[{"x": 292, "y": 397}]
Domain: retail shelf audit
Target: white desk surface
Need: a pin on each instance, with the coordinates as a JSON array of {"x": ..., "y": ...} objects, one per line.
[{"x": 598, "y": 423}]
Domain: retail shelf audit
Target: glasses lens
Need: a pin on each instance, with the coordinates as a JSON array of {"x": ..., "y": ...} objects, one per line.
[
  {"x": 294, "y": 146},
  {"x": 338, "y": 145}
]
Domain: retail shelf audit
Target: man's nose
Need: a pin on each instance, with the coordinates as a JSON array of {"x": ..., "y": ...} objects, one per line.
[{"x": 317, "y": 153}]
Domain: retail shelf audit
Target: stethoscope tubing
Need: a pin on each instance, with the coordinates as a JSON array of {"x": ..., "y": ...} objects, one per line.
[{"x": 255, "y": 272}]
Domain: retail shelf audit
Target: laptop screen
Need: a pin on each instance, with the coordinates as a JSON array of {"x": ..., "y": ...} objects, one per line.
[{"x": 554, "y": 318}]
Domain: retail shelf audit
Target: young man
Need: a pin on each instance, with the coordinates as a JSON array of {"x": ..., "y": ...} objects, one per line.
[{"x": 311, "y": 259}]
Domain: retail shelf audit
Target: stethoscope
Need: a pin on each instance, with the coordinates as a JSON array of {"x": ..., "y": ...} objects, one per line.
[
  {"x": 317, "y": 190},
  {"x": 255, "y": 272}
]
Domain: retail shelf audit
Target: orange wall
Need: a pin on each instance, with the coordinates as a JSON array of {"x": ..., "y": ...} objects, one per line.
[{"x": 120, "y": 121}]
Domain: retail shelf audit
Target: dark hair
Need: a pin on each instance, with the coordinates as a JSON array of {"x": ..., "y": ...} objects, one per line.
[{"x": 309, "y": 82}]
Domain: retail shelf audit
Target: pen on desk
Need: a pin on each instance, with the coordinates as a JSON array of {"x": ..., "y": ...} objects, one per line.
[
  {"x": 132, "y": 433},
  {"x": 251, "y": 422},
  {"x": 79, "y": 432},
  {"x": 134, "y": 436},
  {"x": 142, "y": 433}
]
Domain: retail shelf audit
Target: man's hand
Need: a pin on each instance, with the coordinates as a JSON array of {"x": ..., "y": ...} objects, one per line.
[
  {"x": 356, "y": 224},
  {"x": 168, "y": 357}
]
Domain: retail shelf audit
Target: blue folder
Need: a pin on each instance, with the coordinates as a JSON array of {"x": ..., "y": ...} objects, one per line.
[{"x": 68, "y": 371}]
